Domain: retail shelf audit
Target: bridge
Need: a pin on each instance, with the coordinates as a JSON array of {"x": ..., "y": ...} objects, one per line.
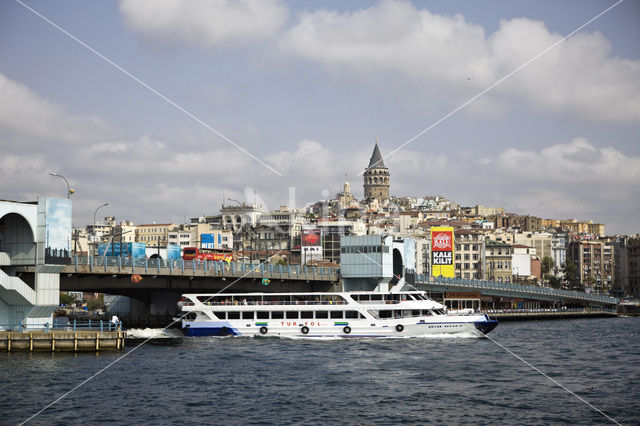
[{"x": 492, "y": 288}]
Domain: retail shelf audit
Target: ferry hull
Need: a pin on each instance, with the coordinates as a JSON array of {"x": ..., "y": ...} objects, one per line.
[{"x": 477, "y": 325}]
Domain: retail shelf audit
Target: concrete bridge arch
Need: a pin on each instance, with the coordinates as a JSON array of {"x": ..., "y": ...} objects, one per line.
[{"x": 17, "y": 238}]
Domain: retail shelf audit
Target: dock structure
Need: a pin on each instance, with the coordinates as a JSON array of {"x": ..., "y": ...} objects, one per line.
[
  {"x": 530, "y": 315},
  {"x": 62, "y": 341}
]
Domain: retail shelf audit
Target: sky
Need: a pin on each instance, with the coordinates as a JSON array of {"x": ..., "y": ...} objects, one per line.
[{"x": 165, "y": 109}]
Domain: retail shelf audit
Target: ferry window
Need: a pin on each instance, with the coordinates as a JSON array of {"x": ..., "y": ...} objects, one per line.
[
  {"x": 277, "y": 315},
  {"x": 376, "y": 297},
  {"x": 385, "y": 314},
  {"x": 322, "y": 314},
  {"x": 351, "y": 314},
  {"x": 247, "y": 315},
  {"x": 262, "y": 315},
  {"x": 427, "y": 313},
  {"x": 415, "y": 313},
  {"x": 233, "y": 315},
  {"x": 293, "y": 314},
  {"x": 221, "y": 315},
  {"x": 363, "y": 297},
  {"x": 306, "y": 314},
  {"x": 336, "y": 314}
]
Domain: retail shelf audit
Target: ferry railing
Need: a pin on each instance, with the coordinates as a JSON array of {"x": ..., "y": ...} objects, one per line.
[{"x": 239, "y": 303}]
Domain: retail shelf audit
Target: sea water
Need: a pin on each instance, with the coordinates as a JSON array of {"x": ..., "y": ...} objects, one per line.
[{"x": 209, "y": 380}]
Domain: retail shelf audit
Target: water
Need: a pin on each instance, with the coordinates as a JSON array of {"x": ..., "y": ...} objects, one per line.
[{"x": 353, "y": 381}]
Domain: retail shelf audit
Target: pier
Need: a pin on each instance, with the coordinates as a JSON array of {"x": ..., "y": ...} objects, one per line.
[
  {"x": 61, "y": 341},
  {"x": 550, "y": 314}
]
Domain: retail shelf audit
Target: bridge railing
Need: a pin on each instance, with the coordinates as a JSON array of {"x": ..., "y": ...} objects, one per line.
[
  {"x": 516, "y": 288},
  {"x": 203, "y": 267}
]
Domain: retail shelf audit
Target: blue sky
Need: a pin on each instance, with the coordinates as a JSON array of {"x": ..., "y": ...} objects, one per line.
[{"x": 305, "y": 87}]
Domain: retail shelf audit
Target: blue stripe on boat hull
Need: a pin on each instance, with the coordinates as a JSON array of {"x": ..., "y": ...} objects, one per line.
[{"x": 209, "y": 331}]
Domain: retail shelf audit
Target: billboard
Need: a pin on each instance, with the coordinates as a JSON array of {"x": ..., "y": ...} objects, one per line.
[
  {"x": 311, "y": 237},
  {"x": 208, "y": 241},
  {"x": 173, "y": 251},
  {"x": 442, "y": 244},
  {"x": 122, "y": 249},
  {"x": 57, "y": 217}
]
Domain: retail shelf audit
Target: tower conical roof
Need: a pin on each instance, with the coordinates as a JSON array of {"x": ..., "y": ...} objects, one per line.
[{"x": 376, "y": 158}]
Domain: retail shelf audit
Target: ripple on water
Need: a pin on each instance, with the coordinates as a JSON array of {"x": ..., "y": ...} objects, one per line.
[{"x": 346, "y": 381}]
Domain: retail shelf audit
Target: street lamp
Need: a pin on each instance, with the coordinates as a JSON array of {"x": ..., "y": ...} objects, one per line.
[
  {"x": 94, "y": 224},
  {"x": 95, "y": 212},
  {"x": 69, "y": 190}
]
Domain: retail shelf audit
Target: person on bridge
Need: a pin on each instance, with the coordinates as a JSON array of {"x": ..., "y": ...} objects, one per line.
[{"x": 115, "y": 320}]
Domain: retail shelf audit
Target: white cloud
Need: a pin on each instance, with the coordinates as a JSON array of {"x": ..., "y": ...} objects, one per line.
[
  {"x": 576, "y": 162},
  {"x": 205, "y": 22},
  {"x": 392, "y": 42},
  {"x": 25, "y": 113}
]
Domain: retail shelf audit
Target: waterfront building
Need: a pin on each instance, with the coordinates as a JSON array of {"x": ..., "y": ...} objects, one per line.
[
  {"x": 627, "y": 266},
  {"x": 521, "y": 260},
  {"x": 594, "y": 263},
  {"x": 559, "y": 242},
  {"x": 423, "y": 254},
  {"x": 237, "y": 216},
  {"x": 154, "y": 234},
  {"x": 376, "y": 177},
  {"x": 541, "y": 241},
  {"x": 469, "y": 254},
  {"x": 633, "y": 286},
  {"x": 498, "y": 261},
  {"x": 183, "y": 235},
  {"x": 332, "y": 231}
]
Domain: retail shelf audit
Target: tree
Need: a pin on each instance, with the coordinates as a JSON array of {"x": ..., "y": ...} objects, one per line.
[
  {"x": 66, "y": 299},
  {"x": 96, "y": 303},
  {"x": 570, "y": 274},
  {"x": 555, "y": 282},
  {"x": 546, "y": 267}
]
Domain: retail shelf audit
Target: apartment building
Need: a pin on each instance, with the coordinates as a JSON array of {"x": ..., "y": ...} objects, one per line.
[
  {"x": 594, "y": 263},
  {"x": 469, "y": 254},
  {"x": 498, "y": 260},
  {"x": 154, "y": 234}
]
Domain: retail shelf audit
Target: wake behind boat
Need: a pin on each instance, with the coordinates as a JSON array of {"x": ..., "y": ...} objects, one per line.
[{"x": 339, "y": 314}]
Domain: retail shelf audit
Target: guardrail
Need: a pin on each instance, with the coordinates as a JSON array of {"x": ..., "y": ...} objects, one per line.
[
  {"x": 74, "y": 326},
  {"x": 524, "y": 290},
  {"x": 544, "y": 311},
  {"x": 206, "y": 267}
]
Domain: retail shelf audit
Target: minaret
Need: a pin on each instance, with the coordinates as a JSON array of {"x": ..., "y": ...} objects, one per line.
[{"x": 376, "y": 177}]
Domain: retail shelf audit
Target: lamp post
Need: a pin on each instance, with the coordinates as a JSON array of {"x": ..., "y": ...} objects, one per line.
[
  {"x": 95, "y": 212},
  {"x": 69, "y": 190},
  {"x": 94, "y": 223}
]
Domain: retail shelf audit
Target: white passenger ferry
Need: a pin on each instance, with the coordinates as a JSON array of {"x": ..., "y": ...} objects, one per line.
[{"x": 344, "y": 314}]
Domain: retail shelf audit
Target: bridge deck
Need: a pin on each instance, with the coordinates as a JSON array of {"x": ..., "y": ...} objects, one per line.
[{"x": 188, "y": 268}]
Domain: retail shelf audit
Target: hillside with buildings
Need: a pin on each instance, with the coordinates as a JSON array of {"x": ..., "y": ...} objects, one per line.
[{"x": 490, "y": 243}]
